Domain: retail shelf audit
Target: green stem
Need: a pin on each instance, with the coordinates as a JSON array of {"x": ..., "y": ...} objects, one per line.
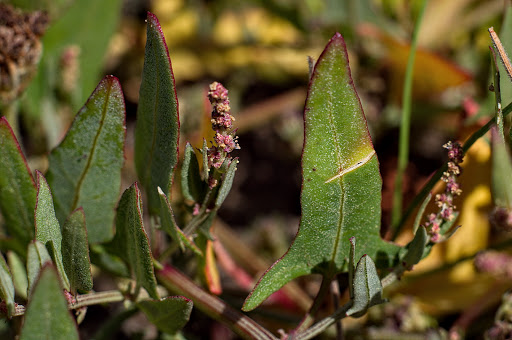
[
  {"x": 437, "y": 175},
  {"x": 403, "y": 149},
  {"x": 211, "y": 305},
  {"x": 86, "y": 300},
  {"x": 322, "y": 325},
  {"x": 497, "y": 94}
]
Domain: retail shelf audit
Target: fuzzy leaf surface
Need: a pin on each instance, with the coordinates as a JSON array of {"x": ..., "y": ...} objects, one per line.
[
  {"x": 157, "y": 129},
  {"x": 85, "y": 169},
  {"x": 192, "y": 186},
  {"x": 19, "y": 274},
  {"x": 169, "y": 315},
  {"x": 37, "y": 257},
  {"x": 131, "y": 242},
  {"x": 75, "y": 252},
  {"x": 171, "y": 228},
  {"x": 47, "y": 315},
  {"x": 341, "y": 186},
  {"x": 17, "y": 187},
  {"x": 47, "y": 226}
]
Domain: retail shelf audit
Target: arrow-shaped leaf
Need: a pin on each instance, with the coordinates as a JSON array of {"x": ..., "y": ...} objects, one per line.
[
  {"x": 157, "y": 130},
  {"x": 131, "y": 242},
  {"x": 341, "y": 187},
  {"x": 17, "y": 187},
  {"x": 85, "y": 169}
]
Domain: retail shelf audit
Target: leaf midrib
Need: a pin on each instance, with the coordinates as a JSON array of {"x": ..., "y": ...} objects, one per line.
[{"x": 88, "y": 165}]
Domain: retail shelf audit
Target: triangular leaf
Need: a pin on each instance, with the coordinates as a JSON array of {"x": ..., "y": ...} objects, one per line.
[
  {"x": 37, "y": 257},
  {"x": 17, "y": 187},
  {"x": 131, "y": 242},
  {"x": 75, "y": 252},
  {"x": 416, "y": 248},
  {"x": 6, "y": 287},
  {"x": 169, "y": 315},
  {"x": 157, "y": 130},
  {"x": 85, "y": 169},
  {"x": 47, "y": 315},
  {"x": 341, "y": 187},
  {"x": 170, "y": 226},
  {"x": 47, "y": 227}
]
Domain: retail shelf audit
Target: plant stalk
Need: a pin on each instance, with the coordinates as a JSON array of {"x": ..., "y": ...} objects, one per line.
[
  {"x": 242, "y": 325},
  {"x": 403, "y": 149}
]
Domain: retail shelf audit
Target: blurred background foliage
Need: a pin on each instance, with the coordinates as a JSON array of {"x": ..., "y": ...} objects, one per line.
[{"x": 259, "y": 50}]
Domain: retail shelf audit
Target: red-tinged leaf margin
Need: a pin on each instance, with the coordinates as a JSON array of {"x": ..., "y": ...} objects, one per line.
[
  {"x": 19, "y": 218},
  {"x": 85, "y": 168},
  {"x": 158, "y": 124},
  {"x": 341, "y": 189}
]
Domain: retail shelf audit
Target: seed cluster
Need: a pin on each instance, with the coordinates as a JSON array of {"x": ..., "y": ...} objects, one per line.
[{"x": 445, "y": 200}]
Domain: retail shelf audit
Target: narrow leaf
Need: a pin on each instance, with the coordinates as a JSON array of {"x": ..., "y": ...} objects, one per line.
[
  {"x": 131, "y": 242},
  {"x": 19, "y": 274},
  {"x": 227, "y": 182},
  {"x": 17, "y": 187},
  {"x": 85, "y": 169},
  {"x": 192, "y": 187},
  {"x": 501, "y": 172},
  {"x": 341, "y": 186},
  {"x": 6, "y": 287},
  {"x": 204, "y": 157},
  {"x": 107, "y": 261},
  {"x": 171, "y": 228},
  {"x": 169, "y": 315},
  {"x": 416, "y": 248},
  {"x": 157, "y": 130},
  {"x": 367, "y": 287},
  {"x": 75, "y": 252},
  {"x": 47, "y": 315},
  {"x": 47, "y": 227},
  {"x": 37, "y": 257}
]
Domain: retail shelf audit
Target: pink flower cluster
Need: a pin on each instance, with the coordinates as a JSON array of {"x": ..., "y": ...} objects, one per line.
[
  {"x": 222, "y": 122},
  {"x": 445, "y": 200}
]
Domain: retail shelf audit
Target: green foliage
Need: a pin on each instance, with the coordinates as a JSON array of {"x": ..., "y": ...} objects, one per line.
[
  {"x": 85, "y": 169},
  {"x": 157, "y": 130},
  {"x": 131, "y": 242},
  {"x": 47, "y": 315},
  {"x": 75, "y": 252},
  {"x": 47, "y": 227},
  {"x": 17, "y": 187},
  {"x": 169, "y": 314},
  {"x": 6, "y": 287},
  {"x": 341, "y": 187}
]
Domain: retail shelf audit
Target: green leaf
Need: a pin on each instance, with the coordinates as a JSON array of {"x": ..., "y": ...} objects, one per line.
[
  {"x": 192, "y": 186},
  {"x": 47, "y": 227},
  {"x": 227, "y": 182},
  {"x": 74, "y": 27},
  {"x": 47, "y": 315},
  {"x": 19, "y": 274},
  {"x": 75, "y": 252},
  {"x": 169, "y": 315},
  {"x": 85, "y": 169},
  {"x": 157, "y": 130},
  {"x": 17, "y": 187},
  {"x": 366, "y": 287},
  {"x": 37, "y": 257},
  {"x": 131, "y": 242},
  {"x": 170, "y": 226},
  {"x": 204, "y": 157},
  {"x": 107, "y": 261},
  {"x": 6, "y": 287},
  {"x": 341, "y": 187},
  {"x": 501, "y": 171},
  {"x": 416, "y": 248}
]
